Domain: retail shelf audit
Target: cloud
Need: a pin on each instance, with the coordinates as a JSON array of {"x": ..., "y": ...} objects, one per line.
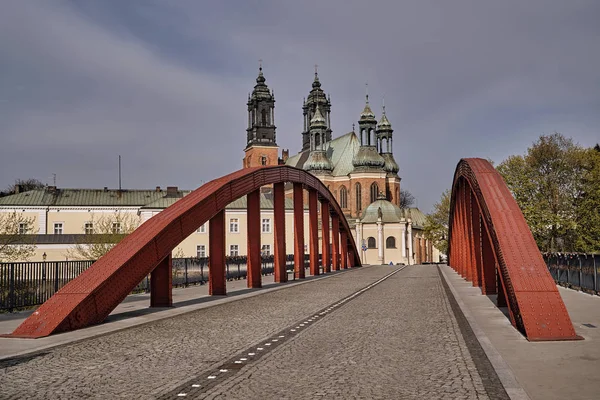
[{"x": 165, "y": 84}]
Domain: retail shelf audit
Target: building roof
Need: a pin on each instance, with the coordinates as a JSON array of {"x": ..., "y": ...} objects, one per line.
[
  {"x": 417, "y": 217},
  {"x": 144, "y": 199},
  {"x": 50, "y": 197},
  {"x": 340, "y": 151}
]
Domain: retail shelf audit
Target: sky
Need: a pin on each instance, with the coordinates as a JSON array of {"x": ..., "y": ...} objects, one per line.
[{"x": 164, "y": 83}]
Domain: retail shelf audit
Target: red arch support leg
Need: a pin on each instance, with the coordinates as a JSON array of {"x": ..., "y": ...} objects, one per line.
[
  {"x": 313, "y": 232},
  {"x": 298, "y": 231},
  {"x": 325, "y": 241},
  {"x": 161, "y": 287},
  {"x": 279, "y": 232},
  {"x": 335, "y": 242},
  {"x": 216, "y": 247},
  {"x": 254, "y": 250},
  {"x": 344, "y": 249}
]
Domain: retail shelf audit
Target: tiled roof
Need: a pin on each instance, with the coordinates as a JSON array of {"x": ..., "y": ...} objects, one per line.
[
  {"x": 82, "y": 197},
  {"x": 145, "y": 199}
]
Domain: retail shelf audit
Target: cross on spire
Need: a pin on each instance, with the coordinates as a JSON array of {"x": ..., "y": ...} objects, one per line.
[
  {"x": 316, "y": 69},
  {"x": 367, "y": 92},
  {"x": 260, "y": 64}
]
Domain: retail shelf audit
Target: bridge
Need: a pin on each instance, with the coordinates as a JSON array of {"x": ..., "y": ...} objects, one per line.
[{"x": 423, "y": 331}]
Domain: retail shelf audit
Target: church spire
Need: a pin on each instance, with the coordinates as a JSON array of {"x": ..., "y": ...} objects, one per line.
[
  {"x": 261, "y": 113},
  {"x": 315, "y": 98}
]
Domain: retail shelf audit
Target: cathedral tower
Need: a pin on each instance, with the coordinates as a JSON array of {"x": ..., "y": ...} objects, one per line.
[
  {"x": 309, "y": 108},
  {"x": 261, "y": 146}
]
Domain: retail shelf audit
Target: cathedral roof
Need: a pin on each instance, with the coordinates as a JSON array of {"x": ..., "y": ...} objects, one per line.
[
  {"x": 318, "y": 120},
  {"x": 317, "y": 161},
  {"x": 367, "y": 114},
  {"x": 384, "y": 123},
  {"x": 340, "y": 151},
  {"x": 367, "y": 157},
  {"x": 261, "y": 90},
  {"x": 390, "y": 165}
]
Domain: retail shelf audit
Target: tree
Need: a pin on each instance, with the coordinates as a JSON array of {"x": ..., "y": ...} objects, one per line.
[
  {"x": 102, "y": 234},
  {"x": 24, "y": 185},
  {"x": 588, "y": 203},
  {"x": 436, "y": 223},
  {"x": 547, "y": 184},
  {"x": 16, "y": 241},
  {"x": 406, "y": 198}
]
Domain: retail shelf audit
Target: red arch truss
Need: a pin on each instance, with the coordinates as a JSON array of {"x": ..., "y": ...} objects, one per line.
[
  {"x": 491, "y": 245},
  {"x": 91, "y": 297}
]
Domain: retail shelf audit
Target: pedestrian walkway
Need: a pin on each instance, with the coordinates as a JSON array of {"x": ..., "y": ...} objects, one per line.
[{"x": 544, "y": 370}]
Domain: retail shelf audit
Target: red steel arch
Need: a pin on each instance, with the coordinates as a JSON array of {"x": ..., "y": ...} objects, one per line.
[
  {"x": 91, "y": 297},
  {"x": 491, "y": 245}
]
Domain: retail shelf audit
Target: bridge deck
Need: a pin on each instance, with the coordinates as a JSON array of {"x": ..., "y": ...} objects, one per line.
[{"x": 402, "y": 338}]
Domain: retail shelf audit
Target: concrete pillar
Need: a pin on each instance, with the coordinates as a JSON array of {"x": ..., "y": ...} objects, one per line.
[
  {"x": 161, "y": 288},
  {"x": 359, "y": 236},
  {"x": 380, "y": 243},
  {"x": 253, "y": 277},
  {"x": 335, "y": 242},
  {"x": 314, "y": 232},
  {"x": 344, "y": 249},
  {"x": 410, "y": 242},
  {"x": 279, "y": 232},
  {"x": 298, "y": 231},
  {"x": 216, "y": 260},
  {"x": 325, "y": 240},
  {"x": 403, "y": 241}
]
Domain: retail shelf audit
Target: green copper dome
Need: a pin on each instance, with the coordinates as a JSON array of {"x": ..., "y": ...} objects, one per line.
[
  {"x": 388, "y": 212},
  {"x": 367, "y": 157}
]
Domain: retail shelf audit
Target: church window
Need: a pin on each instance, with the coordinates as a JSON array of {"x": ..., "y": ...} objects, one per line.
[
  {"x": 390, "y": 242},
  {"x": 343, "y": 197},
  {"x": 358, "y": 197},
  {"x": 371, "y": 242},
  {"x": 374, "y": 191},
  {"x": 263, "y": 160},
  {"x": 398, "y": 196},
  {"x": 264, "y": 117}
]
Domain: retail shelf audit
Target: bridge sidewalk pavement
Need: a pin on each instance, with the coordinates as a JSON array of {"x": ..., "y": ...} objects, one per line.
[
  {"x": 545, "y": 370},
  {"x": 134, "y": 311}
]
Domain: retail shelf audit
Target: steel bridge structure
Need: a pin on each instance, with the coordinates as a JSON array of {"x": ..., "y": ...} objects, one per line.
[
  {"x": 491, "y": 245},
  {"x": 91, "y": 297}
]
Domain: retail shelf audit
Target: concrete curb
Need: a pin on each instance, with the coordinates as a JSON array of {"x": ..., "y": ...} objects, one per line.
[
  {"x": 120, "y": 325},
  {"x": 514, "y": 390}
]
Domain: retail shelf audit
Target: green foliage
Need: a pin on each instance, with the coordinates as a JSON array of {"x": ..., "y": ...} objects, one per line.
[
  {"x": 555, "y": 185},
  {"x": 16, "y": 239},
  {"x": 107, "y": 230},
  {"x": 436, "y": 224}
]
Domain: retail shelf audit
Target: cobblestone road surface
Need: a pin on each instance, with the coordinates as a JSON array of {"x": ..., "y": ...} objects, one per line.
[{"x": 399, "y": 339}]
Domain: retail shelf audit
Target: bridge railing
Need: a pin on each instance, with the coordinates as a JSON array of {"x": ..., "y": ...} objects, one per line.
[
  {"x": 28, "y": 284},
  {"x": 577, "y": 271}
]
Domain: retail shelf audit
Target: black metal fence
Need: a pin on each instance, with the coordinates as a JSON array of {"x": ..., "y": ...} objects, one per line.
[
  {"x": 578, "y": 271},
  {"x": 27, "y": 284}
]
